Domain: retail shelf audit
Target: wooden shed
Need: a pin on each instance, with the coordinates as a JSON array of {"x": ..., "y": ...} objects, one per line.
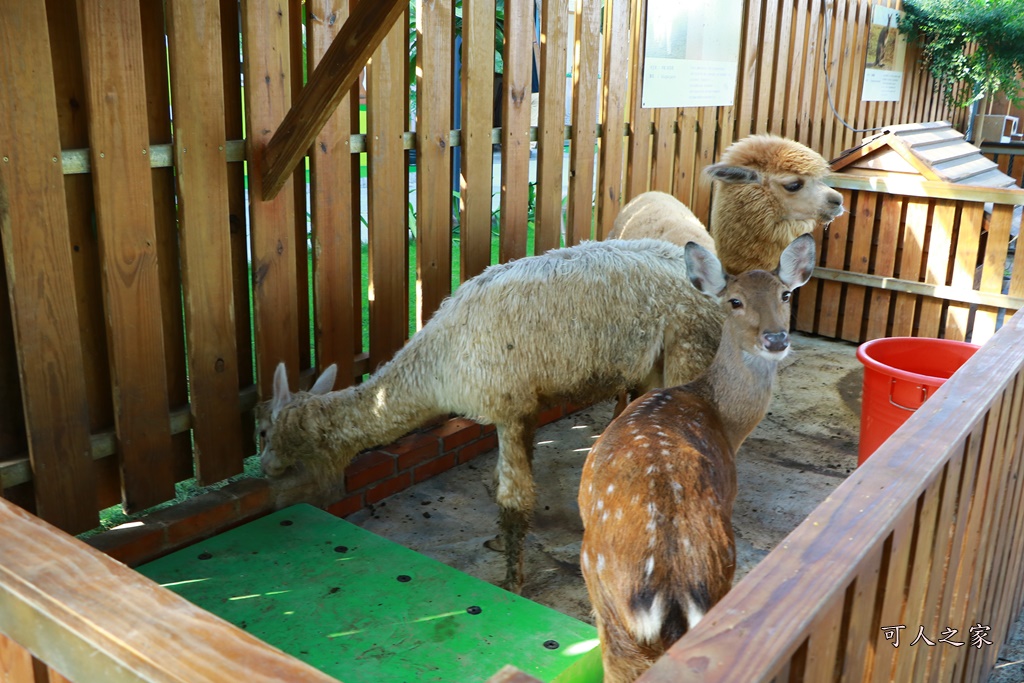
[{"x": 155, "y": 270}]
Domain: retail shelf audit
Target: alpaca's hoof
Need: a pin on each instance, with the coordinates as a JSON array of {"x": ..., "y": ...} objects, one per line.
[{"x": 497, "y": 544}]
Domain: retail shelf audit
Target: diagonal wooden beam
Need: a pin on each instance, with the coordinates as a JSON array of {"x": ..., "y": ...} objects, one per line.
[{"x": 330, "y": 81}]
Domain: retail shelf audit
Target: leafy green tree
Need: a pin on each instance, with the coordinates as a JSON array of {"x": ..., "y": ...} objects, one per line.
[{"x": 978, "y": 42}]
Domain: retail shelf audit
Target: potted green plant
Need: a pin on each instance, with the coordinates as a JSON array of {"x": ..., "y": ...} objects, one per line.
[{"x": 979, "y": 43}]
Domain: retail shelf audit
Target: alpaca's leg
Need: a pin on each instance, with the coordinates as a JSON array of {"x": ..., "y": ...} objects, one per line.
[{"x": 515, "y": 495}]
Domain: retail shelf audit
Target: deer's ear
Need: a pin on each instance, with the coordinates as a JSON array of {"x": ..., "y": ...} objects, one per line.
[
  {"x": 737, "y": 175},
  {"x": 704, "y": 270},
  {"x": 797, "y": 262},
  {"x": 325, "y": 382},
  {"x": 282, "y": 394}
]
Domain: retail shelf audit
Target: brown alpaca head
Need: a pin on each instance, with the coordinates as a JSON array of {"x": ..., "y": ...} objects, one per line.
[
  {"x": 768, "y": 173},
  {"x": 280, "y": 451}
]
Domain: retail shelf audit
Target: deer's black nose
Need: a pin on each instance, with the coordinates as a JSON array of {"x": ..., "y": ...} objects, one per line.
[{"x": 775, "y": 341}]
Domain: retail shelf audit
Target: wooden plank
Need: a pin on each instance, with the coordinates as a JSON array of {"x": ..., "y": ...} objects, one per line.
[
  {"x": 836, "y": 236},
  {"x": 910, "y": 266},
  {"x": 706, "y": 146},
  {"x": 515, "y": 131},
  {"x": 475, "y": 183},
  {"x": 168, "y": 256},
  {"x": 992, "y": 270},
  {"x": 921, "y": 563},
  {"x": 748, "y": 70},
  {"x": 125, "y": 222},
  {"x": 885, "y": 265},
  {"x": 944, "y": 292},
  {"x": 580, "y": 209},
  {"x": 854, "y": 46},
  {"x": 613, "y": 109},
  {"x": 861, "y": 620},
  {"x": 834, "y": 45},
  {"x": 71, "y": 605},
  {"x": 763, "y": 121},
  {"x": 240, "y": 277},
  {"x": 387, "y": 196},
  {"x": 335, "y": 237},
  {"x": 687, "y": 171},
  {"x": 638, "y": 151},
  {"x": 663, "y": 149},
  {"x": 807, "y": 296},
  {"x": 69, "y": 84},
  {"x": 551, "y": 125},
  {"x": 823, "y": 642},
  {"x": 1006, "y": 591},
  {"x": 339, "y": 68},
  {"x": 16, "y": 664},
  {"x": 783, "y": 67},
  {"x": 937, "y": 263},
  {"x": 968, "y": 240},
  {"x": 863, "y": 208},
  {"x": 272, "y": 223},
  {"x": 193, "y": 37},
  {"x": 892, "y": 595},
  {"x": 433, "y": 157},
  {"x": 802, "y": 46},
  {"x": 49, "y": 346},
  {"x": 300, "y": 187},
  {"x": 13, "y": 440}
]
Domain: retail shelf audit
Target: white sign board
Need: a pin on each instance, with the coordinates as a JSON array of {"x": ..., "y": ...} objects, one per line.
[
  {"x": 886, "y": 55},
  {"x": 691, "y": 53}
]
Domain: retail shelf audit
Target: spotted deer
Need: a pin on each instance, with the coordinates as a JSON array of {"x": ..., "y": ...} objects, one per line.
[{"x": 658, "y": 486}]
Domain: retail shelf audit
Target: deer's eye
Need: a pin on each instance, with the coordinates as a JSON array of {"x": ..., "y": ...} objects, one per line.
[
  {"x": 735, "y": 303},
  {"x": 794, "y": 186},
  {"x": 786, "y": 296}
]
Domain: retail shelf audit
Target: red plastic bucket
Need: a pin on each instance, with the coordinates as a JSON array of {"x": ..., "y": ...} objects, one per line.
[{"x": 900, "y": 373}]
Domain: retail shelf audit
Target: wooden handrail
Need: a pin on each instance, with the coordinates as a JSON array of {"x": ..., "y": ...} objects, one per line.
[
  {"x": 334, "y": 75},
  {"x": 928, "y": 189},
  {"x": 93, "y": 619}
]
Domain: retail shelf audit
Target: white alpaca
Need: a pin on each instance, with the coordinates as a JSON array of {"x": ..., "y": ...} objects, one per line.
[
  {"x": 659, "y": 215},
  {"x": 576, "y": 324},
  {"x": 769, "y": 190}
]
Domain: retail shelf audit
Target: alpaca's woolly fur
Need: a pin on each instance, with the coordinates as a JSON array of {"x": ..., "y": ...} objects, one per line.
[
  {"x": 769, "y": 191},
  {"x": 659, "y": 215},
  {"x": 576, "y": 324}
]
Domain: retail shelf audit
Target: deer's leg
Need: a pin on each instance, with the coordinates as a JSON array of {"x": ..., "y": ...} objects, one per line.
[{"x": 515, "y": 495}]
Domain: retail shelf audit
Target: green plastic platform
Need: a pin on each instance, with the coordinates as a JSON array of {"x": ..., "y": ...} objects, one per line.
[{"x": 363, "y": 609}]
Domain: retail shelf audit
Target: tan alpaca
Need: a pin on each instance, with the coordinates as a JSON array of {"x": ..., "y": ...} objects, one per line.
[
  {"x": 768, "y": 191},
  {"x": 659, "y": 215}
]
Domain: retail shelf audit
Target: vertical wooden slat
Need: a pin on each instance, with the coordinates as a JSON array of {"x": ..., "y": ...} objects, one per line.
[
  {"x": 639, "y": 150},
  {"x": 924, "y": 558},
  {"x": 34, "y": 229},
  {"x": 433, "y": 156},
  {"x": 801, "y": 45},
  {"x": 72, "y": 118},
  {"x": 862, "y": 628},
  {"x": 706, "y": 147},
  {"x": 885, "y": 265},
  {"x": 784, "y": 67},
  {"x": 894, "y": 586},
  {"x": 158, "y": 114},
  {"x": 854, "y": 45},
  {"x": 807, "y": 296},
  {"x": 387, "y": 195},
  {"x": 193, "y": 36},
  {"x": 992, "y": 270},
  {"x": 580, "y": 213},
  {"x": 748, "y": 70},
  {"x": 833, "y": 24},
  {"x": 613, "y": 109},
  {"x": 835, "y": 255},
  {"x": 515, "y": 130},
  {"x": 968, "y": 240},
  {"x": 299, "y": 190},
  {"x": 335, "y": 238},
  {"x": 764, "y": 120},
  {"x": 684, "y": 184},
  {"x": 477, "y": 120},
  {"x": 241, "y": 279},
  {"x": 551, "y": 124},
  {"x": 862, "y": 223},
  {"x": 939, "y": 241},
  {"x": 119, "y": 156},
  {"x": 813, "y": 101},
  {"x": 16, "y": 664},
  {"x": 910, "y": 265},
  {"x": 823, "y": 642},
  {"x": 267, "y": 70},
  {"x": 663, "y": 149}
]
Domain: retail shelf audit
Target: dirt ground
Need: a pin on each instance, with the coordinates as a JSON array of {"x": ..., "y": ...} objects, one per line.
[{"x": 805, "y": 446}]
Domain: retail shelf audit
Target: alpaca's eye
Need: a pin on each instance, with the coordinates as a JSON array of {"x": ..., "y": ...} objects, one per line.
[
  {"x": 263, "y": 433},
  {"x": 735, "y": 303},
  {"x": 786, "y": 296},
  {"x": 794, "y": 186}
]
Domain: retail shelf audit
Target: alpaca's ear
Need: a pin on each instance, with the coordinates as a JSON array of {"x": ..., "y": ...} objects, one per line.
[
  {"x": 282, "y": 394},
  {"x": 325, "y": 382},
  {"x": 739, "y": 175}
]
